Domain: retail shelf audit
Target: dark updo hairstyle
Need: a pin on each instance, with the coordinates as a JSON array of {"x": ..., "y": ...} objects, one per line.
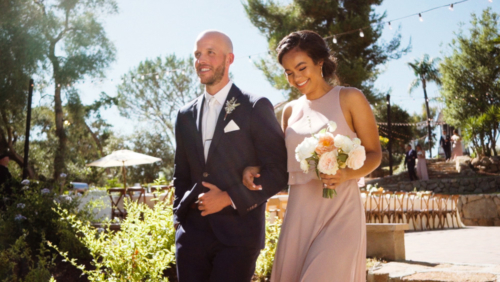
[{"x": 315, "y": 47}]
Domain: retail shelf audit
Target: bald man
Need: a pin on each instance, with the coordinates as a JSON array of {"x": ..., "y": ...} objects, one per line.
[{"x": 220, "y": 224}]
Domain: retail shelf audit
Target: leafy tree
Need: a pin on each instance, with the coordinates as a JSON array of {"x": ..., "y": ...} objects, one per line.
[
  {"x": 76, "y": 47},
  {"x": 401, "y": 135},
  {"x": 21, "y": 48},
  {"x": 358, "y": 57},
  {"x": 425, "y": 71},
  {"x": 156, "y": 89},
  {"x": 471, "y": 81}
]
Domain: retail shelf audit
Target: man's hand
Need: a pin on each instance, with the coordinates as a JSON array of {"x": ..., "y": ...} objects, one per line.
[{"x": 213, "y": 201}]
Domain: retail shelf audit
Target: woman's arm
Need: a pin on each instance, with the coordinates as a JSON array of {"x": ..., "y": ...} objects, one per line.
[
  {"x": 252, "y": 172},
  {"x": 360, "y": 118}
]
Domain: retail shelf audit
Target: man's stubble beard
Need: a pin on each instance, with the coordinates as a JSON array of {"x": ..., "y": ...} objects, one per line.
[{"x": 218, "y": 75}]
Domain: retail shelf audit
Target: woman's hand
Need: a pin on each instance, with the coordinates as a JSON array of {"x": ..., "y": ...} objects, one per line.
[
  {"x": 249, "y": 174},
  {"x": 333, "y": 181}
]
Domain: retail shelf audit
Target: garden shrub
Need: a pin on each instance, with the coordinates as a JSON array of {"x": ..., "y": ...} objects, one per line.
[
  {"x": 265, "y": 260},
  {"x": 141, "y": 251}
]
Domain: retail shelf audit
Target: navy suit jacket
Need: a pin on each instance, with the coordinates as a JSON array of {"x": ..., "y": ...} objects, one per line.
[
  {"x": 259, "y": 141},
  {"x": 410, "y": 158}
]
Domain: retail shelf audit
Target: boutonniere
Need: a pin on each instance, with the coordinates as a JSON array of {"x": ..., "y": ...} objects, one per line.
[{"x": 230, "y": 106}]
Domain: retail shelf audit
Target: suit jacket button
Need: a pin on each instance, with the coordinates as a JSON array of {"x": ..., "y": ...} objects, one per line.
[{"x": 205, "y": 174}]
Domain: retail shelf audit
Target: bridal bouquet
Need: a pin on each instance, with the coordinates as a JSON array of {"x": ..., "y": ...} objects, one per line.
[{"x": 329, "y": 153}]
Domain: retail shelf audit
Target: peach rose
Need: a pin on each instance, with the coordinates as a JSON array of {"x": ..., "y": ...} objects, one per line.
[
  {"x": 325, "y": 143},
  {"x": 328, "y": 163},
  {"x": 357, "y": 157}
]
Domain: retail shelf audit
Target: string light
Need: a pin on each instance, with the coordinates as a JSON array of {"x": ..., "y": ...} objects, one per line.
[
  {"x": 334, "y": 39},
  {"x": 420, "y": 17},
  {"x": 142, "y": 76},
  {"x": 390, "y": 26},
  {"x": 361, "y": 34},
  {"x": 157, "y": 76},
  {"x": 451, "y": 7},
  {"x": 250, "y": 59}
]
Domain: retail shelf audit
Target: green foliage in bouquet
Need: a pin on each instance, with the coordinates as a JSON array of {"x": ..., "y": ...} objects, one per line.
[
  {"x": 141, "y": 251},
  {"x": 265, "y": 261}
]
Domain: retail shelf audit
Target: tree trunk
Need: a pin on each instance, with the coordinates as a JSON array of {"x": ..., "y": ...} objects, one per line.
[
  {"x": 429, "y": 132},
  {"x": 7, "y": 142},
  {"x": 59, "y": 165}
]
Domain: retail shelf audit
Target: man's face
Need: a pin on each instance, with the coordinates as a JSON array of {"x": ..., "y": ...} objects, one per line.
[
  {"x": 408, "y": 148},
  {"x": 210, "y": 60}
]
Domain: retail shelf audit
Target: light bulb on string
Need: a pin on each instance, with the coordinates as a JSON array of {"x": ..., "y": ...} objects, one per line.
[
  {"x": 390, "y": 26},
  {"x": 142, "y": 76},
  {"x": 157, "y": 76},
  {"x": 420, "y": 17},
  {"x": 133, "y": 79},
  {"x": 250, "y": 59},
  {"x": 491, "y": 1},
  {"x": 334, "y": 39},
  {"x": 451, "y": 7},
  {"x": 361, "y": 34}
]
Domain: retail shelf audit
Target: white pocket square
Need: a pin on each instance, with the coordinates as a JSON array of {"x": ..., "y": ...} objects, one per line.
[{"x": 231, "y": 126}]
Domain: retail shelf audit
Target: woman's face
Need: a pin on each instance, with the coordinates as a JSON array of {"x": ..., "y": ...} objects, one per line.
[{"x": 301, "y": 71}]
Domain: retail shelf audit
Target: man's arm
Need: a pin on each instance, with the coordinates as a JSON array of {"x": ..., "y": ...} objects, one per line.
[
  {"x": 269, "y": 144},
  {"x": 182, "y": 172}
]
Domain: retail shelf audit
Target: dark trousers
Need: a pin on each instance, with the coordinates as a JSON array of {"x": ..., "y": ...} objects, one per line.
[
  {"x": 447, "y": 152},
  {"x": 201, "y": 257},
  {"x": 411, "y": 172}
]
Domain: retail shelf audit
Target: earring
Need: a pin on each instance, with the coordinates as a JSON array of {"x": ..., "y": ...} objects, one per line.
[{"x": 321, "y": 70}]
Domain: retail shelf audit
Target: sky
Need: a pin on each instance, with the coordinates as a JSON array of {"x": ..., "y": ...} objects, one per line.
[{"x": 147, "y": 29}]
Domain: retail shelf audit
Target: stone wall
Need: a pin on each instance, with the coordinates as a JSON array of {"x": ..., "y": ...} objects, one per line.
[
  {"x": 480, "y": 210},
  {"x": 464, "y": 185}
]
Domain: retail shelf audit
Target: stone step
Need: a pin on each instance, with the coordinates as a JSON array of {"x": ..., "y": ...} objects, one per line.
[{"x": 429, "y": 272}]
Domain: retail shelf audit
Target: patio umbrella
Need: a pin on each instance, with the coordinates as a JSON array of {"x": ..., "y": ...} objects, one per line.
[{"x": 124, "y": 158}]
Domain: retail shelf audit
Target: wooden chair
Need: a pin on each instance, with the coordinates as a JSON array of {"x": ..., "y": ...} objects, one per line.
[
  {"x": 137, "y": 194},
  {"x": 427, "y": 210},
  {"x": 376, "y": 207},
  {"x": 385, "y": 207},
  {"x": 116, "y": 195},
  {"x": 399, "y": 213},
  {"x": 412, "y": 213},
  {"x": 439, "y": 210},
  {"x": 454, "y": 209},
  {"x": 273, "y": 207},
  {"x": 365, "y": 196}
]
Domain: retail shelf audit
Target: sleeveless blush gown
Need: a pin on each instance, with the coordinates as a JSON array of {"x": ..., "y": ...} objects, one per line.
[{"x": 322, "y": 240}]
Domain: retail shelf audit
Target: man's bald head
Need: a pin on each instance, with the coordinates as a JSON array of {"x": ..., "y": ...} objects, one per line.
[{"x": 218, "y": 38}]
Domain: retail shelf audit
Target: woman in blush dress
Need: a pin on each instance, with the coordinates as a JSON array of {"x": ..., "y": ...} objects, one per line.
[
  {"x": 456, "y": 145},
  {"x": 321, "y": 240},
  {"x": 421, "y": 164}
]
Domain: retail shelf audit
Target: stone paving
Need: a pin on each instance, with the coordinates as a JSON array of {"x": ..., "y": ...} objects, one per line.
[
  {"x": 453, "y": 255},
  {"x": 475, "y": 245}
]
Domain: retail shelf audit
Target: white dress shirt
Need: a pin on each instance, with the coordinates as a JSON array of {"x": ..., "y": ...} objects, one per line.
[{"x": 221, "y": 97}]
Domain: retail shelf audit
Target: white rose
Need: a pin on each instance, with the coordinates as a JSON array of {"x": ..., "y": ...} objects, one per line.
[
  {"x": 356, "y": 141},
  {"x": 305, "y": 149},
  {"x": 357, "y": 157},
  {"x": 332, "y": 126},
  {"x": 343, "y": 142},
  {"x": 304, "y": 165},
  {"x": 328, "y": 163}
]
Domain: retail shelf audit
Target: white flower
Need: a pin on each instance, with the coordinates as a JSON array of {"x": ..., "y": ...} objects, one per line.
[
  {"x": 25, "y": 182},
  {"x": 19, "y": 217},
  {"x": 21, "y": 206},
  {"x": 328, "y": 163},
  {"x": 304, "y": 165},
  {"x": 357, "y": 157},
  {"x": 356, "y": 141},
  {"x": 332, "y": 126},
  {"x": 45, "y": 191},
  {"x": 305, "y": 149},
  {"x": 343, "y": 142}
]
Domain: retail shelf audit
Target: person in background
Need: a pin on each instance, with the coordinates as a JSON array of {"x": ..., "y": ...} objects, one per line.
[
  {"x": 445, "y": 143},
  {"x": 457, "y": 145},
  {"x": 410, "y": 158},
  {"x": 5, "y": 177},
  {"x": 421, "y": 164}
]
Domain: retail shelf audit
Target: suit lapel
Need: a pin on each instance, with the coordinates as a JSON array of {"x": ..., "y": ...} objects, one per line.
[
  {"x": 197, "y": 114},
  {"x": 221, "y": 123}
]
